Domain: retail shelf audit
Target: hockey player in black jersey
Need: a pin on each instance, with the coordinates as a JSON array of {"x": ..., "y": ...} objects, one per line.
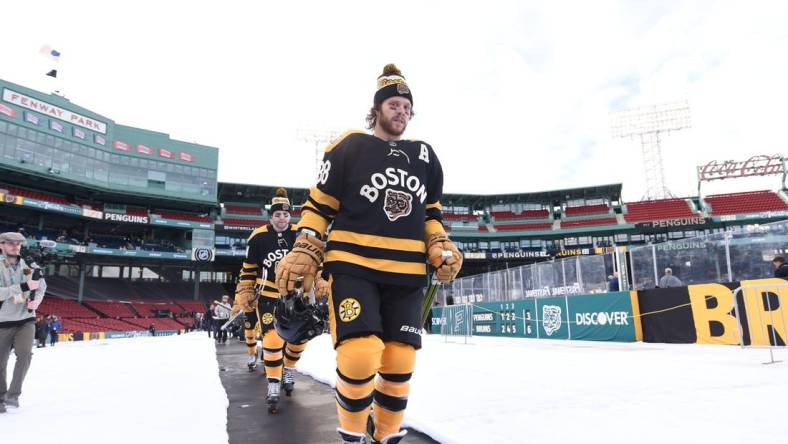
[
  {"x": 382, "y": 196},
  {"x": 256, "y": 295}
]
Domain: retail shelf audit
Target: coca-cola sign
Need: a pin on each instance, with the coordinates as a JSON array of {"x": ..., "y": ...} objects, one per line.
[{"x": 761, "y": 165}]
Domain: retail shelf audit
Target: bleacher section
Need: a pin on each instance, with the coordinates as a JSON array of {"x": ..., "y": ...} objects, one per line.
[
  {"x": 93, "y": 316},
  {"x": 252, "y": 223},
  {"x": 748, "y": 202},
  {"x": 238, "y": 209},
  {"x": 527, "y": 214},
  {"x": 113, "y": 309},
  {"x": 587, "y": 210},
  {"x": 524, "y": 227},
  {"x": 588, "y": 222},
  {"x": 36, "y": 195},
  {"x": 657, "y": 210}
]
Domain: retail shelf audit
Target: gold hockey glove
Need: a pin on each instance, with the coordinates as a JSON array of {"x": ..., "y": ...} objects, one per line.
[
  {"x": 445, "y": 269},
  {"x": 321, "y": 287},
  {"x": 302, "y": 260},
  {"x": 244, "y": 296}
]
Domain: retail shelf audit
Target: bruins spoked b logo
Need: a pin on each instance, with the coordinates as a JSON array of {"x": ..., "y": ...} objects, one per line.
[
  {"x": 397, "y": 204},
  {"x": 349, "y": 309},
  {"x": 267, "y": 318}
]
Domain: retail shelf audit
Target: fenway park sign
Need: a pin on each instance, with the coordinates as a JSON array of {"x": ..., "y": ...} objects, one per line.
[{"x": 754, "y": 166}]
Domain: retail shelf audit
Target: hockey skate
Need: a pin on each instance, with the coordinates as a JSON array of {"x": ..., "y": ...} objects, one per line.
[
  {"x": 251, "y": 362},
  {"x": 351, "y": 438},
  {"x": 394, "y": 438},
  {"x": 272, "y": 399},
  {"x": 288, "y": 381}
]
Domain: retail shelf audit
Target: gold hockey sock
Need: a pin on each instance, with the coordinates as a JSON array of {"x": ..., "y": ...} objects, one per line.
[
  {"x": 357, "y": 361},
  {"x": 392, "y": 387}
]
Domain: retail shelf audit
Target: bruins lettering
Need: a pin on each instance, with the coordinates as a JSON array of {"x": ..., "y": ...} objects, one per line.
[
  {"x": 393, "y": 177},
  {"x": 273, "y": 257}
]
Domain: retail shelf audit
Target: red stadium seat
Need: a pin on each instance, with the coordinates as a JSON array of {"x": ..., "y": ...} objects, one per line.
[
  {"x": 748, "y": 202},
  {"x": 658, "y": 210},
  {"x": 588, "y": 222},
  {"x": 588, "y": 209}
]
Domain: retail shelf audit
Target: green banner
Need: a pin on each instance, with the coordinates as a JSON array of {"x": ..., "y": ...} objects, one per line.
[
  {"x": 137, "y": 253},
  {"x": 595, "y": 317},
  {"x": 602, "y": 317}
]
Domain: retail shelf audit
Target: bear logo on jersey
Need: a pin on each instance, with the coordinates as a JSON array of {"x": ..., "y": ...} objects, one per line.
[
  {"x": 349, "y": 309},
  {"x": 268, "y": 318},
  {"x": 397, "y": 204}
]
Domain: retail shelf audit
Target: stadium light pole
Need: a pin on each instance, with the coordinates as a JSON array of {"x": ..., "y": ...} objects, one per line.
[
  {"x": 320, "y": 138},
  {"x": 650, "y": 123}
]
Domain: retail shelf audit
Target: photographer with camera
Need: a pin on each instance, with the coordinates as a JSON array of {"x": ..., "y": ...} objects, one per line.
[{"x": 21, "y": 292}]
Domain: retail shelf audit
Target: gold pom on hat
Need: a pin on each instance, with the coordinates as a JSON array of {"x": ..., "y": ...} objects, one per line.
[
  {"x": 281, "y": 192},
  {"x": 391, "y": 69}
]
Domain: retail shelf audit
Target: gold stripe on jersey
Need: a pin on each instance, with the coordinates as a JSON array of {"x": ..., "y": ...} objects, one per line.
[
  {"x": 324, "y": 198},
  {"x": 368, "y": 240},
  {"x": 383, "y": 265},
  {"x": 434, "y": 205},
  {"x": 310, "y": 219},
  {"x": 341, "y": 138}
]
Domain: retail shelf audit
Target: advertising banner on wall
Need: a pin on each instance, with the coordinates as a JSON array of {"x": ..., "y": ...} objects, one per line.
[
  {"x": 706, "y": 313},
  {"x": 595, "y": 317},
  {"x": 127, "y": 218}
]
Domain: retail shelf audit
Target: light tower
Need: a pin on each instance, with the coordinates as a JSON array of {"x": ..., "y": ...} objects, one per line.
[
  {"x": 650, "y": 123},
  {"x": 320, "y": 138}
]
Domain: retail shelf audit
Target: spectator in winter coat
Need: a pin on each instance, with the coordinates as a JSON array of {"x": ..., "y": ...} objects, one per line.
[
  {"x": 612, "y": 284},
  {"x": 20, "y": 296},
  {"x": 54, "y": 328},
  {"x": 780, "y": 267},
  {"x": 668, "y": 280},
  {"x": 41, "y": 331}
]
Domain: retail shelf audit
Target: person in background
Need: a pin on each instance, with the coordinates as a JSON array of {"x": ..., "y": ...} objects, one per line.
[
  {"x": 668, "y": 280},
  {"x": 208, "y": 319},
  {"x": 41, "y": 332},
  {"x": 780, "y": 267},
  {"x": 152, "y": 330},
  {"x": 54, "y": 327},
  {"x": 17, "y": 316},
  {"x": 220, "y": 315},
  {"x": 612, "y": 284}
]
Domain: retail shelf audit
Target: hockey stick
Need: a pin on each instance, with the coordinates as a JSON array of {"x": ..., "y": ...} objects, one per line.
[{"x": 432, "y": 291}]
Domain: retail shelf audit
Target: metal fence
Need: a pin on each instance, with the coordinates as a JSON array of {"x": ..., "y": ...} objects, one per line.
[
  {"x": 573, "y": 275},
  {"x": 735, "y": 255}
]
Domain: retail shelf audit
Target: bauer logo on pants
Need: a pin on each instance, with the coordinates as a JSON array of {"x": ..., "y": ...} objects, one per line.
[
  {"x": 268, "y": 318},
  {"x": 349, "y": 309}
]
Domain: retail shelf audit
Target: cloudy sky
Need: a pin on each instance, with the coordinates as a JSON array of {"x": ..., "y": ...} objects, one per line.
[{"x": 514, "y": 96}]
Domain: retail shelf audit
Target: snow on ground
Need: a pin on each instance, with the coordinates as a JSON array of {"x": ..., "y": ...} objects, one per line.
[
  {"x": 138, "y": 390},
  {"x": 167, "y": 389},
  {"x": 501, "y": 390}
]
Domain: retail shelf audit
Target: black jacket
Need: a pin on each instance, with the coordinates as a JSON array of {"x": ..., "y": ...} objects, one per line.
[{"x": 781, "y": 271}]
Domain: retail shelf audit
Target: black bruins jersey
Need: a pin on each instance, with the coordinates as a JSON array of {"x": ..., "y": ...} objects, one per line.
[
  {"x": 264, "y": 249},
  {"x": 383, "y": 198}
]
